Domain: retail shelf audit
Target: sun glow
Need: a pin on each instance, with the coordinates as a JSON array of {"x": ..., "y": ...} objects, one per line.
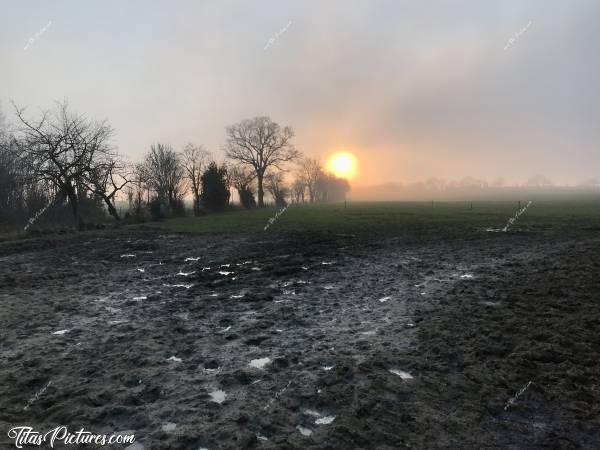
[{"x": 342, "y": 164}]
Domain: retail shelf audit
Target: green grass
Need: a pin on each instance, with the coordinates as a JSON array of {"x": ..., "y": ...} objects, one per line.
[{"x": 358, "y": 216}]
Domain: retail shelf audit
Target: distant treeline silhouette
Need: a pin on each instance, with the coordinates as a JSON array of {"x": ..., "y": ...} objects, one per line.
[{"x": 63, "y": 161}]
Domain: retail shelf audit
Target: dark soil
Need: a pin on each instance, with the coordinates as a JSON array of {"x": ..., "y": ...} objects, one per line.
[{"x": 472, "y": 316}]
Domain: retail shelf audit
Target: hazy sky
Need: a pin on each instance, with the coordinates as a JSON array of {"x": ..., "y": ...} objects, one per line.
[{"x": 414, "y": 88}]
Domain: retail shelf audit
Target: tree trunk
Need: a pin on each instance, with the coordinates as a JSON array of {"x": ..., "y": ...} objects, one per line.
[
  {"x": 196, "y": 203},
  {"x": 261, "y": 193},
  {"x": 111, "y": 209},
  {"x": 72, "y": 196}
]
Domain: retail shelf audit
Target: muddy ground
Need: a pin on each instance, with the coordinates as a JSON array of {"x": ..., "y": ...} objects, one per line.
[{"x": 415, "y": 337}]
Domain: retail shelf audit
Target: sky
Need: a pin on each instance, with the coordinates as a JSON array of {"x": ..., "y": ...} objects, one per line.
[{"x": 414, "y": 89}]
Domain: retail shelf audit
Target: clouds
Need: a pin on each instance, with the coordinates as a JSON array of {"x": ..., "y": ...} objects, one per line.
[{"x": 417, "y": 89}]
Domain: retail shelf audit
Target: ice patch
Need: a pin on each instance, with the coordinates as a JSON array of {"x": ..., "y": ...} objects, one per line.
[
  {"x": 260, "y": 437},
  {"x": 224, "y": 272},
  {"x": 217, "y": 396},
  {"x": 225, "y": 265},
  {"x": 236, "y": 296},
  {"x": 328, "y": 367},
  {"x": 402, "y": 374},
  {"x": 255, "y": 268},
  {"x": 142, "y": 297},
  {"x": 225, "y": 330},
  {"x": 325, "y": 420},
  {"x": 467, "y": 276},
  {"x": 174, "y": 359},
  {"x": 128, "y": 255},
  {"x": 169, "y": 426},
  {"x": 369, "y": 333},
  {"x": 141, "y": 270},
  {"x": 192, "y": 258},
  {"x": 116, "y": 322},
  {"x": 304, "y": 268},
  {"x": 204, "y": 269},
  {"x": 312, "y": 412},
  {"x": 60, "y": 332},
  {"x": 259, "y": 363},
  {"x": 384, "y": 299},
  {"x": 326, "y": 263},
  {"x": 304, "y": 431}
]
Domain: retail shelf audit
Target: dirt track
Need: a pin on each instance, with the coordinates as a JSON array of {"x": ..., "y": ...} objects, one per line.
[{"x": 471, "y": 316}]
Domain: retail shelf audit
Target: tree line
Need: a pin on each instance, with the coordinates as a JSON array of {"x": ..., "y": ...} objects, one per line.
[{"x": 66, "y": 160}]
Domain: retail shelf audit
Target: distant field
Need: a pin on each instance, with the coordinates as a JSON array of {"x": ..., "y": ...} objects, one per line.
[{"x": 357, "y": 216}]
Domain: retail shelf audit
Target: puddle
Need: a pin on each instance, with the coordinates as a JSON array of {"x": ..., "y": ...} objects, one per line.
[
  {"x": 142, "y": 297},
  {"x": 224, "y": 272},
  {"x": 326, "y": 263},
  {"x": 255, "y": 268},
  {"x": 186, "y": 274},
  {"x": 260, "y": 437},
  {"x": 325, "y": 420},
  {"x": 174, "y": 359},
  {"x": 217, "y": 396},
  {"x": 117, "y": 322},
  {"x": 236, "y": 296},
  {"x": 225, "y": 265},
  {"x": 304, "y": 431},
  {"x": 192, "y": 258},
  {"x": 187, "y": 286},
  {"x": 204, "y": 269},
  {"x": 60, "y": 332},
  {"x": 312, "y": 412},
  {"x": 369, "y": 333},
  {"x": 128, "y": 255},
  {"x": 141, "y": 270},
  {"x": 467, "y": 276},
  {"x": 402, "y": 374},
  {"x": 259, "y": 363},
  {"x": 328, "y": 367},
  {"x": 487, "y": 303},
  {"x": 384, "y": 299},
  {"x": 169, "y": 426}
]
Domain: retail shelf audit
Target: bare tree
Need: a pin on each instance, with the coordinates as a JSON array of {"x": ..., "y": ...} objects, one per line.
[
  {"x": 309, "y": 173},
  {"x": 276, "y": 187},
  {"x": 165, "y": 174},
  {"x": 106, "y": 179},
  {"x": 298, "y": 190},
  {"x": 260, "y": 143},
  {"x": 194, "y": 161},
  {"x": 62, "y": 149}
]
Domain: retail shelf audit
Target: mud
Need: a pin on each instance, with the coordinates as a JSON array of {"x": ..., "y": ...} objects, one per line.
[{"x": 416, "y": 337}]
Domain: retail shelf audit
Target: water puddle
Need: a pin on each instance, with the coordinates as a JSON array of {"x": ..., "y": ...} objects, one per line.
[
  {"x": 128, "y": 255},
  {"x": 204, "y": 269},
  {"x": 192, "y": 258},
  {"x": 185, "y": 274},
  {"x": 325, "y": 420},
  {"x": 259, "y": 363},
  {"x": 236, "y": 296},
  {"x": 217, "y": 396},
  {"x": 304, "y": 431},
  {"x": 174, "y": 359},
  {"x": 384, "y": 299},
  {"x": 169, "y": 427},
  {"x": 327, "y": 368},
  {"x": 60, "y": 332},
  {"x": 402, "y": 374},
  {"x": 141, "y": 297},
  {"x": 186, "y": 286},
  {"x": 140, "y": 270},
  {"x": 260, "y": 437},
  {"x": 224, "y": 272},
  {"x": 467, "y": 276}
]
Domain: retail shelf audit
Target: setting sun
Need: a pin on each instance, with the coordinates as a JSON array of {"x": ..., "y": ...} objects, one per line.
[{"x": 343, "y": 165}]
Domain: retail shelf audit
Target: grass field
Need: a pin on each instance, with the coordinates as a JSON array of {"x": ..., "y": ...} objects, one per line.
[{"x": 356, "y": 216}]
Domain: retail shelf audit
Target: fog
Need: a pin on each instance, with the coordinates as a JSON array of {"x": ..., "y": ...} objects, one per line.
[{"x": 414, "y": 89}]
